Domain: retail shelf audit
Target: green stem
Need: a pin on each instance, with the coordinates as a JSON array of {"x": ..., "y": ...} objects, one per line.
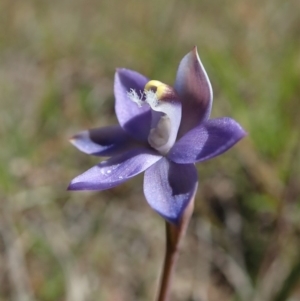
[{"x": 174, "y": 235}]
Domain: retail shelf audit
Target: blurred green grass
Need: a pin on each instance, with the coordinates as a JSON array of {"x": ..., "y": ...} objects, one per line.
[{"x": 57, "y": 61}]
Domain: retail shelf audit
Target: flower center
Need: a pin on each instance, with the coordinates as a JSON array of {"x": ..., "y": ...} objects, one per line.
[{"x": 166, "y": 113}]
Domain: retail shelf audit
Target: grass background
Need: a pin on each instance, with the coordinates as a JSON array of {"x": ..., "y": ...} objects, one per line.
[{"x": 57, "y": 61}]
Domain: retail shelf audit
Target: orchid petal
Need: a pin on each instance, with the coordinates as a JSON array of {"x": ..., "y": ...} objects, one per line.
[
  {"x": 107, "y": 141},
  {"x": 169, "y": 187},
  {"x": 207, "y": 141},
  {"x": 195, "y": 91},
  {"x": 135, "y": 120},
  {"x": 115, "y": 171}
]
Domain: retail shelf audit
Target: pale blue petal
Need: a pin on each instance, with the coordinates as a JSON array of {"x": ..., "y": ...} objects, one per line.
[
  {"x": 169, "y": 187},
  {"x": 207, "y": 141},
  {"x": 115, "y": 171}
]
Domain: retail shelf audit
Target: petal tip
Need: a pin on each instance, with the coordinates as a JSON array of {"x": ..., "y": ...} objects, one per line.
[
  {"x": 242, "y": 132},
  {"x": 121, "y": 71},
  {"x": 195, "y": 50},
  {"x": 72, "y": 140},
  {"x": 76, "y": 140},
  {"x": 78, "y": 186},
  {"x": 71, "y": 187},
  {"x": 75, "y": 137}
]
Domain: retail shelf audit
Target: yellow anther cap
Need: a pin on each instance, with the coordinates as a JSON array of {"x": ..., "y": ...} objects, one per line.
[{"x": 160, "y": 89}]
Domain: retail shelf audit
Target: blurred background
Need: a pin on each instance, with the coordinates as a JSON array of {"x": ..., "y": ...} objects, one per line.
[{"x": 57, "y": 63}]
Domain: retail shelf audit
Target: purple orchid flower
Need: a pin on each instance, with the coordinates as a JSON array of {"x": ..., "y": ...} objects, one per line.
[{"x": 163, "y": 131}]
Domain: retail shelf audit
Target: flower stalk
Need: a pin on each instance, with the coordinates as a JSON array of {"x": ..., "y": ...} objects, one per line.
[{"x": 174, "y": 236}]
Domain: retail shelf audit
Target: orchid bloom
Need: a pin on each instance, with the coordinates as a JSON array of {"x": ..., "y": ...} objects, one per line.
[{"x": 163, "y": 131}]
